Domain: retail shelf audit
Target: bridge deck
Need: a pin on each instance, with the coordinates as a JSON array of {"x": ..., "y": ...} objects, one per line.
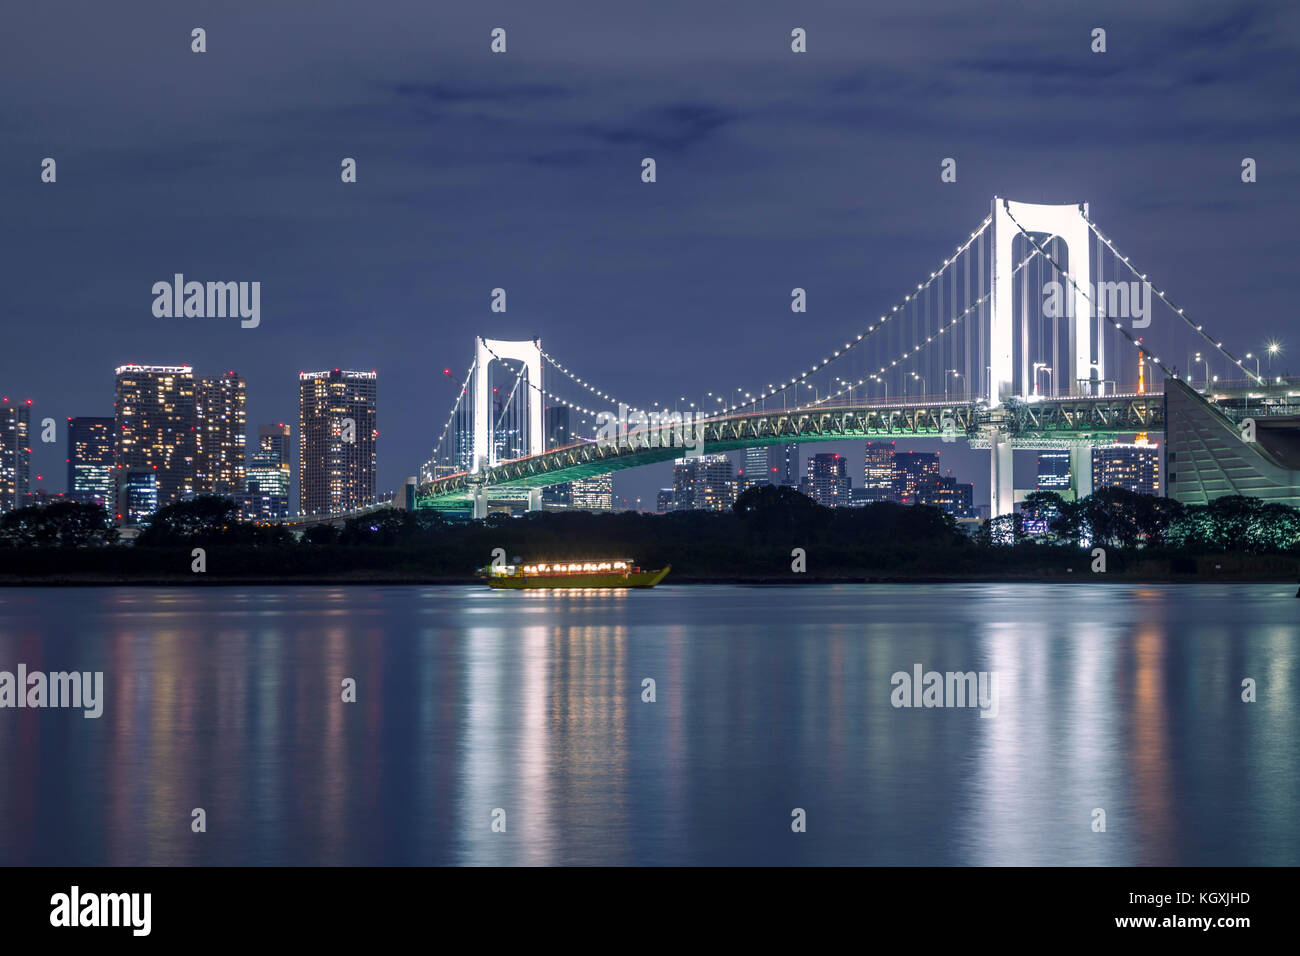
[{"x": 1033, "y": 423}]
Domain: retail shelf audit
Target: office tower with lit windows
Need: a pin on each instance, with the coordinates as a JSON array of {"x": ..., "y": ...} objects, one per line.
[
  {"x": 220, "y": 434},
  {"x": 878, "y": 472},
  {"x": 827, "y": 481},
  {"x": 337, "y": 436},
  {"x": 90, "y": 459},
  {"x": 269, "y": 469},
  {"x": 664, "y": 500},
  {"x": 715, "y": 483},
  {"x": 683, "y": 498},
  {"x": 1135, "y": 467},
  {"x": 916, "y": 477},
  {"x": 275, "y": 445},
  {"x": 955, "y": 497},
  {"x": 704, "y": 483},
  {"x": 1053, "y": 470},
  {"x": 135, "y": 493},
  {"x": 754, "y": 469},
  {"x": 154, "y": 426},
  {"x": 593, "y": 494},
  {"x": 15, "y": 452}
]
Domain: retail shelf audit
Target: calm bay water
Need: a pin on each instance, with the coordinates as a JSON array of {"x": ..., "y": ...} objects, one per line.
[{"x": 1126, "y": 699}]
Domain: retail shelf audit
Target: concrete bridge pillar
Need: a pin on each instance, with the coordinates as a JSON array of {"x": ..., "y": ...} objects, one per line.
[
  {"x": 480, "y": 501},
  {"x": 534, "y": 499},
  {"x": 1081, "y": 469},
  {"x": 1001, "y": 483}
]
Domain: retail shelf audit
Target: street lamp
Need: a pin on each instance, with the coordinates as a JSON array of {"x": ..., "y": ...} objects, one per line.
[
  {"x": 1256, "y": 358},
  {"x": 1206, "y": 363},
  {"x": 921, "y": 379},
  {"x": 1274, "y": 348},
  {"x": 948, "y": 376},
  {"x": 1042, "y": 367}
]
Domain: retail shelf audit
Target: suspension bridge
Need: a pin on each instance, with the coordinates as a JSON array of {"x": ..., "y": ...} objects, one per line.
[{"x": 1036, "y": 332}]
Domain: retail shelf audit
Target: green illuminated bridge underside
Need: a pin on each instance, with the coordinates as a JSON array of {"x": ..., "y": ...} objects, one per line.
[{"x": 1041, "y": 423}]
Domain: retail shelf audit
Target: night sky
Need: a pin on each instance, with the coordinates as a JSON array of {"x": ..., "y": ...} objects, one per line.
[{"x": 522, "y": 171}]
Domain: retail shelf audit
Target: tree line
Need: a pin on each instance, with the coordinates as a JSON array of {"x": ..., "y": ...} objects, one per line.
[{"x": 755, "y": 539}]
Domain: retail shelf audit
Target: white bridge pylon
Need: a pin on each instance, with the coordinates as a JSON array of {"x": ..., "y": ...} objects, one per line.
[
  {"x": 485, "y": 453},
  {"x": 1067, "y": 222}
]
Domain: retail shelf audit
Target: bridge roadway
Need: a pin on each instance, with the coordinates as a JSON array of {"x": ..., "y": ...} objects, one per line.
[{"x": 1057, "y": 421}]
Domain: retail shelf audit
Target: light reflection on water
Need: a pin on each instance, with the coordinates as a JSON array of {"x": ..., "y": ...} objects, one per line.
[{"x": 1125, "y": 699}]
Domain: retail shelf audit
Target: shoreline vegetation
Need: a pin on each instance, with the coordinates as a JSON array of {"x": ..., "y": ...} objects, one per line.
[{"x": 769, "y": 533}]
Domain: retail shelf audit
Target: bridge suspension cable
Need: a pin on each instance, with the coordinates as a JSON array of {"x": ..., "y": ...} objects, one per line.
[
  {"x": 464, "y": 386},
  {"x": 1165, "y": 299},
  {"x": 849, "y": 346},
  {"x": 584, "y": 383},
  {"x": 943, "y": 328}
]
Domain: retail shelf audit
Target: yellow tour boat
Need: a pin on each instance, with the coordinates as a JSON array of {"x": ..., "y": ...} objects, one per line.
[{"x": 571, "y": 574}]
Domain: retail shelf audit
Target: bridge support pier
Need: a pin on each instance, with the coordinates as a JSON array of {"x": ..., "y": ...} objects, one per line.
[
  {"x": 1001, "y": 483},
  {"x": 480, "y": 501},
  {"x": 1081, "y": 470},
  {"x": 534, "y": 499}
]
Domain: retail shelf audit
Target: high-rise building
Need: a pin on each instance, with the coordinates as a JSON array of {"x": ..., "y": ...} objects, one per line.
[
  {"x": 754, "y": 469},
  {"x": 703, "y": 483},
  {"x": 154, "y": 426},
  {"x": 1135, "y": 467},
  {"x": 664, "y": 500},
  {"x": 593, "y": 494},
  {"x": 15, "y": 452},
  {"x": 136, "y": 493},
  {"x": 337, "y": 435},
  {"x": 274, "y": 443},
  {"x": 684, "y": 484},
  {"x": 827, "y": 481},
  {"x": 783, "y": 464},
  {"x": 1053, "y": 470},
  {"x": 916, "y": 477},
  {"x": 556, "y": 423},
  {"x": 878, "y": 472},
  {"x": 269, "y": 469},
  {"x": 90, "y": 459},
  {"x": 558, "y": 497},
  {"x": 221, "y": 420},
  {"x": 715, "y": 485},
  {"x": 954, "y": 497}
]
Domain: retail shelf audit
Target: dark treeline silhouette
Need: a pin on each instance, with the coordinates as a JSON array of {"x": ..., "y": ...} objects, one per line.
[
  {"x": 758, "y": 539},
  {"x": 1117, "y": 518},
  {"x": 63, "y": 524}
]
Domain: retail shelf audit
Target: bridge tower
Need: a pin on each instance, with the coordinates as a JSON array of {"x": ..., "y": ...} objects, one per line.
[
  {"x": 1068, "y": 223},
  {"x": 484, "y": 448}
]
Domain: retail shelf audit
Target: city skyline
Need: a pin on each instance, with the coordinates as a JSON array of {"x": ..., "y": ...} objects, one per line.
[{"x": 222, "y": 468}]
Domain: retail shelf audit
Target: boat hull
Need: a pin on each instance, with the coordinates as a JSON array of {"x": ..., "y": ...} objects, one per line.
[{"x": 633, "y": 579}]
